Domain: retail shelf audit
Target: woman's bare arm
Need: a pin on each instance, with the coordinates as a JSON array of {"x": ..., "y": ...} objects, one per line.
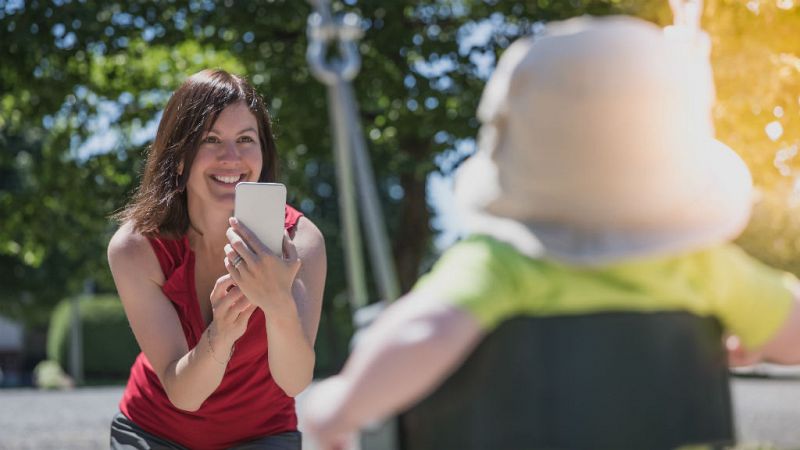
[
  {"x": 289, "y": 291},
  {"x": 291, "y": 341},
  {"x": 189, "y": 377}
]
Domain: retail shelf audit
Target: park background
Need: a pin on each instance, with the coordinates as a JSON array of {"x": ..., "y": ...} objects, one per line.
[{"x": 82, "y": 84}]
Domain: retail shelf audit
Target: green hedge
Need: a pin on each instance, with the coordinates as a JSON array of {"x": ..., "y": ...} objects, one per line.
[{"x": 109, "y": 347}]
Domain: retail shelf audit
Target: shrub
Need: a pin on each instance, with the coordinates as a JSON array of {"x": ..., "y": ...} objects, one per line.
[{"x": 109, "y": 347}]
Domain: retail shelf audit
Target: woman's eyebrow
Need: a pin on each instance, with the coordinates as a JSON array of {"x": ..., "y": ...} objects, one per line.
[{"x": 213, "y": 130}]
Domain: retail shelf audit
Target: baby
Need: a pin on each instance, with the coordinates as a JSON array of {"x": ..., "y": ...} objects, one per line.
[{"x": 598, "y": 187}]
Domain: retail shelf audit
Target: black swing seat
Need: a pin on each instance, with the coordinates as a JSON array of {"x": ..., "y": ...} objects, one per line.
[{"x": 643, "y": 381}]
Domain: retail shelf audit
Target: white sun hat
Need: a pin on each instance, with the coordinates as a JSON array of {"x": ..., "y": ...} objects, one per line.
[{"x": 597, "y": 145}]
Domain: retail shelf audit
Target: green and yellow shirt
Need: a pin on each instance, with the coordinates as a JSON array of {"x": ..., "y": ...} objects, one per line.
[{"x": 494, "y": 282}]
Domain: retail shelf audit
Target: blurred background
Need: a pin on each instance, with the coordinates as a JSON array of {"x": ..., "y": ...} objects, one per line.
[{"x": 82, "y": 84}]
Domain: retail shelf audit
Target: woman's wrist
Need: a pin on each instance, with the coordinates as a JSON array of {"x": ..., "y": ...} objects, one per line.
[
  {"x": 220, "y": 347},
  {"x": 281, "y": 307}
]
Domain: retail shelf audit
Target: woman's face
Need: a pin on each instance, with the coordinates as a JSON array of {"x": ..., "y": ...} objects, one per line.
[{"x": 230, "y": 152}]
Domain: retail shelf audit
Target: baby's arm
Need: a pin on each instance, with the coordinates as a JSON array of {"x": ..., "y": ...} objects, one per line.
[
  {"x": 401, "y": 358},
  {"x": 782, "y": 348}
]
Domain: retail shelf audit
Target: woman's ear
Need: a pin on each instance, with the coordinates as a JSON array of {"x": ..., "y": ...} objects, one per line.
[{"x": 180, "y": 168}]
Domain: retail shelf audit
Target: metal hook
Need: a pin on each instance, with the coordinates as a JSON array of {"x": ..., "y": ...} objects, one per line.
[{"x": 322, "y": 30}]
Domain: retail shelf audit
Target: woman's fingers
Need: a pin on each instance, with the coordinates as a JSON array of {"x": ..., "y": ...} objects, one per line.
[
  {"x": 221, "y": 287},
  {"x": 238, "y": 306},
  {"x": 230, "y": 307},
  {"x": 247, "y": 236},
  {"x": 229, "y": 300},
  {"x": 263, "y": 275},
  {"x": 233, "y": 271},
  {"x": 223, "y": 305},
  {"x": 237, "y": 247},
  {"x": 240, "y": 246},
  {"x": 230, "y": 252},
  {"x": 246, "y": 311}
]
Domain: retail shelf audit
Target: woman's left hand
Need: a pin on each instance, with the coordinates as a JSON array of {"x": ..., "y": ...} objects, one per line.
[{"x": 265, "y": 278}]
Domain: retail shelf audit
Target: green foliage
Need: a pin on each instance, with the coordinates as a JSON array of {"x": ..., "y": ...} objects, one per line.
[
  {"x": 758, "y": 114},
  {"x": 109, "y": 347},
  {"x": 85, "y": 67},
  {"x": 333, "y": 338},
  {"x": 76, "y": 71}
]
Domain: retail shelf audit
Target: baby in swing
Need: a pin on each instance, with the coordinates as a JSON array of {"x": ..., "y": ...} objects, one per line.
[{"x": 598, "y": 188}]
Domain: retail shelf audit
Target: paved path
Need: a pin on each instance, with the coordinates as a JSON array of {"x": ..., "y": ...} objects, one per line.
[
  {"x": 766, "y": 411},
  {"x": 64, "y": 420}
]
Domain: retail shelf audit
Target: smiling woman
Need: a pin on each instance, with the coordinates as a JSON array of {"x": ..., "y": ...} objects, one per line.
[
  {"x": 225, "y": 347},
  {"x": 229, "y": 153},
  {"x": 207, "y": 103}
]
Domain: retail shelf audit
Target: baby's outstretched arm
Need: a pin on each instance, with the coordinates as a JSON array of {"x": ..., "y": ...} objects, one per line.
[
  {"x": 401, "y": 358},
  {"x": 782, "y": 348}
]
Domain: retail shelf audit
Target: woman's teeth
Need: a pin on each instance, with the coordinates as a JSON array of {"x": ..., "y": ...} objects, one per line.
[{"x": 227, "y": 179}]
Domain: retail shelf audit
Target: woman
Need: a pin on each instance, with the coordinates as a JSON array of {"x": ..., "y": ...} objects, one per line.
[{"x": 226, "y": 327}]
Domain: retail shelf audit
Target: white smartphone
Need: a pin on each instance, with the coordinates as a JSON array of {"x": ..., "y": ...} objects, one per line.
[{"x": 261, "y": 208}]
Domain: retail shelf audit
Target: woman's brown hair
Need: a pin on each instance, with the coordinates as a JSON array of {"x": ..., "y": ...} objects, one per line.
[{"x": 159, "y": 205}]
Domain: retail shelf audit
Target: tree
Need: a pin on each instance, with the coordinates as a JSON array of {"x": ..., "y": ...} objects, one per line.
[
  {"x": 757, "y": 70},
  {"x": 81, "y": 67}
]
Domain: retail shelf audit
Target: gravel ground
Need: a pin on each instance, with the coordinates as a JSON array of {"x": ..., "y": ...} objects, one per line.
[
  {"x": 767, "y": 411},
  {"x": 68, "y": 420}
]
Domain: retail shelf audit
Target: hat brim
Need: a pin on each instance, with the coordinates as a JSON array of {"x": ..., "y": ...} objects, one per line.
[{"x": 716, "y": 209}]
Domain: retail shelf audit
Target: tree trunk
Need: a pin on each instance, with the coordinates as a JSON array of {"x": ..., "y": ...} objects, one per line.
[{"x": 413, "y": 234}]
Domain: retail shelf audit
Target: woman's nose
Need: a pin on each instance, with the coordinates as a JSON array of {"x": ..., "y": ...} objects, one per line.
[{"x": 229, "y": 152}]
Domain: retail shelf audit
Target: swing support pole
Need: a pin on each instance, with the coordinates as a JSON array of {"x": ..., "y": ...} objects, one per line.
[{"x": 353, "y": 165}]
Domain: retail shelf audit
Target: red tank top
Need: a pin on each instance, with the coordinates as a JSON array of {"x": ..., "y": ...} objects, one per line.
[{"x": 247, "y": 404}]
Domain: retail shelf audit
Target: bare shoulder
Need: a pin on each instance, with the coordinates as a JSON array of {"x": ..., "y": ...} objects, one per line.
[
  {"x": 308, "y": 239},
  {"x": 310, "y": 247},
  {"x": 129, "y": 252}
]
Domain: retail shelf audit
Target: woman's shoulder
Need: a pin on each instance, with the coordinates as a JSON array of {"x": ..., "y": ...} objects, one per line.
[
  {"x": 307, "y": 237},
  {"x": 127, "y": 242},
  {"x": 131, "y": 250}
]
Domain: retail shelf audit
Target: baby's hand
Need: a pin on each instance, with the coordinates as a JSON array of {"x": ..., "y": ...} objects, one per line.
[
  {"x": 738, "y": 355},
  {"x": 321, "y": 424}
]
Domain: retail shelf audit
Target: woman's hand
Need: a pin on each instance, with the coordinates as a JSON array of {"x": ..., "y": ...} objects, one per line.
[
  {"x": 265, "y": 278},
  {"x": 231, "y": 311}
]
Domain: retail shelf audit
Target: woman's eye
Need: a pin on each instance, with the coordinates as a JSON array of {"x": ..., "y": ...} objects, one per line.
[
  {"x": 211, "y": 139},
  {"x": 245, "y": 139}
]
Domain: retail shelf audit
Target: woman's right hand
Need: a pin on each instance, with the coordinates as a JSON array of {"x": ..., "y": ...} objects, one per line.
[{"x": 231, "y": 311}]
